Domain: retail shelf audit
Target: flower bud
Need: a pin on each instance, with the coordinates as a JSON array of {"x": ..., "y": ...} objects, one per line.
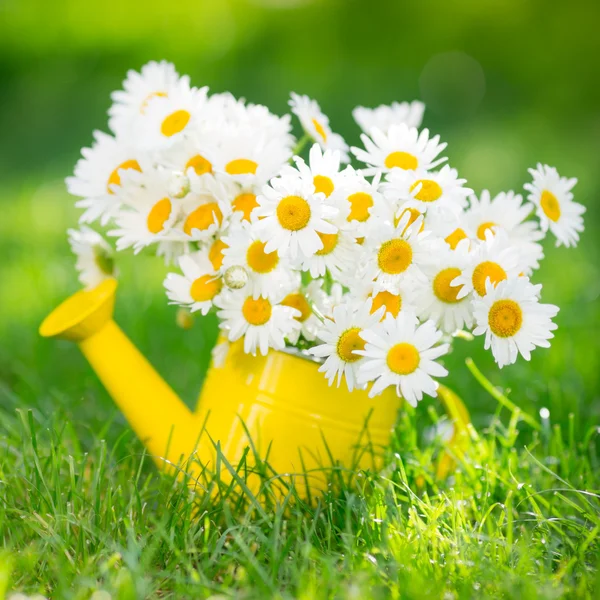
[{"x": 235, "y": 277}]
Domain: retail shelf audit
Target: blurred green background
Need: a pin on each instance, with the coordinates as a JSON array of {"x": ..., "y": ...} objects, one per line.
[{"x": 507, "y": 83}]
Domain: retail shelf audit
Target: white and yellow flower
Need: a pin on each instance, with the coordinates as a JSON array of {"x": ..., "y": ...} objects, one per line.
[
  {"x": 393, "y": 298},
  {"x": 263, "y": 323},
  {"x": 493, "y": 260},
  {"x": 197, "y": 287},
  {"x": 449, "y": 226},
  {"x": 361, "y": 203},
  {"x": 386, "y": 115},
  {"x": 393, "y": 253},
  {"x": 401, "y": 353},
  {"x": 513, "y": 320},
  {"x": 207, "y": 208},
  {"x": 95, "y": 260},
  {"x": 506, "y": 211},
  {"x": 98, "y": 175},
  {"x": 268, "y": 272},
  {"x": 155, "y": 80},
  {"x": 402, "y": 147},
  {"x": 171, "y": 117},
  {"x": 422, "y": 190},
  {"x": 437, "y": 298},
  {"x": 554, "y": 204},
  {"x": 342, "y": 339},
  {"x": 147, "y": 214},
  {"x": 303, "y": 299},
  {"x": 290, "y": 216},
  {"x": 316, "y": 124},
  {"x": 323, "y": 169},
  {"x": 250, "y": 157}
]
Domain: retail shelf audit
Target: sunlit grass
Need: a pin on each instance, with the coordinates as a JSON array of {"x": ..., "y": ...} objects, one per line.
[{"x": 518, "y": 523}]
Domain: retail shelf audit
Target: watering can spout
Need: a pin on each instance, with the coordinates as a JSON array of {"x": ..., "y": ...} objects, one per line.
[{"x": 160, "y": 419}]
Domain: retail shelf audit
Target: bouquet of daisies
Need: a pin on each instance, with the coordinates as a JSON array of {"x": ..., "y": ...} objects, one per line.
[{"x": 371, "y": 268}]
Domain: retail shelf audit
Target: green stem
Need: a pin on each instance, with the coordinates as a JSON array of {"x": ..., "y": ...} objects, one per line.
[
  {"x": 499, "y": 396},
  {"x": 301, "y": 143}
]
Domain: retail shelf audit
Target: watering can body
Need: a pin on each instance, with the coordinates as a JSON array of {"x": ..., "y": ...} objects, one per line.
[{"x": 276, "y": 409}]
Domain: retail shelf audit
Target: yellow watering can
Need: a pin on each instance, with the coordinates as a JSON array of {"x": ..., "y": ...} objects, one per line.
[{"x": 279, "y": 404}]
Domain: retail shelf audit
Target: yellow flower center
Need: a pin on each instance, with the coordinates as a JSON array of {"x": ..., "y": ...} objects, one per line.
[
  {"x": 293, "y": 213},
  {"x": 158, "y": 215},
  {"x": 483, "y": 228},
  {"x": 241, "y": 166},
  {"x": 199, "y": 164},
  {"x": 175, "y": 122},
  {"x": 550, "y": 205},
  {"x": 429, "y": 192},
  {"x": 144, "y": 104},
  {"x": 484, "y": 271},
  {"x": 323, "y": 184},
  {"x": 245, "y": 203},
  {"x": 215, "y": 254},
  {"x": 394, "y": 256},
  {"x": 442, "y": 288},
  {"x": 402, "y": 160},
  {"x": 330, "y": 241},
  {"x": 505, "y": 318},
  {"x": 403, "y": 359},
  {"x": 392, "y": 303},
  {"x": 360, "y": 203},
  {"x": 115, "y": 178},
  {"x": 320, "y": 129},
  {"x": 203, "y": 217},
  {"x": 256, "y": 312},
  {"x": 205, "y": 288},
  {"x": 348, "y": 342},
  {"x": 258, "y": 260},
  {"x": 300, "y": 303},
  {"x": 456, "y": 236}
]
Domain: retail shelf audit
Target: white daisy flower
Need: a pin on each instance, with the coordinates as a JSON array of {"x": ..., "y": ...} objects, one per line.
[
  {"x": 199, "y": 285},
  {"x": 361, "y": 203},
  {"x": 98, "y": 174},
  {"x": 250, "y": 157},
  {"x": 554, "y": 204},
  {"x": 316, "y": 124},
  {"x": 393, "y": 298},
  {"x": 493, "y": 260},
  {"x": 384, "y": 116},
  {"x": 290, "y": 216},
  {"x": 303, "y": 299},
  {"x": 423, "y": 190},
  {"x": 393, "y": 253},
  {"x": 169, "y": 118},
  {"x": 508, "y": 212},
  {"x": 342, "y": 339},
  {"x": 323, "y": 169},
  {"x": 402, "y": 147},
  {"x": 438, "y": 298},
  {"x": 513, "y": 320},
  {"x": 155, "y": 80},
  {"x": 449, "y": 226},
  {"x": 402, "y": 353},
  {"x": 148, "y": 213},
  {"x": 262, "y": 323},
  {"x": 216, "y": 247},
  {"x": 267, "y": 271},
  {"x": 207, "y": 207},
  {"x": 194, "y": 155},
  {"x": 95, "y": 261}
]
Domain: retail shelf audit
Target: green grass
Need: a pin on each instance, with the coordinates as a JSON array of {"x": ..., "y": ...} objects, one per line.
[{"x": 512, "y": 521}]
